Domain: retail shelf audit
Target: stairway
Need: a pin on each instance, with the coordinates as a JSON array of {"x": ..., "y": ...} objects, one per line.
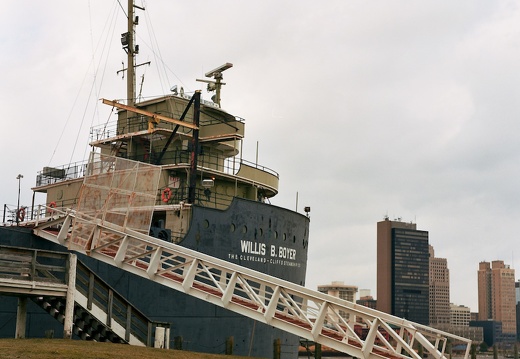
[
  {"x": 86, "y": 325},
  {"x": 120, "y": 149},
  {"x": 99, "y": 313}
]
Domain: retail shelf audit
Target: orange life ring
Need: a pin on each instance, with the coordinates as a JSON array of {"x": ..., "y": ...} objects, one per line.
[
  {"x": 52, "y": 205},
  {"x": 20, "y": 215},
  {"x": 166, "y": 194}
]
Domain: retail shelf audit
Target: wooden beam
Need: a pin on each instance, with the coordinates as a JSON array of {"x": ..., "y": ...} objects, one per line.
[{"x": 155, "y": 116}]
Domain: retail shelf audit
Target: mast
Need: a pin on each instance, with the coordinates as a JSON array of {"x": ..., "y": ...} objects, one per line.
[
  {"x": 130, "y": 80},
  {"x": 128, "y": 42}
]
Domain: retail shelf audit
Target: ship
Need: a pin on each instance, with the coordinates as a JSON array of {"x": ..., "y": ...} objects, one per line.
[{"x": 187, "y": 184}]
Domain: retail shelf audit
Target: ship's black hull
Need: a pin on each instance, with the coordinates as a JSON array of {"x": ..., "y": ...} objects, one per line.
[{"x": 249, "y": 233}]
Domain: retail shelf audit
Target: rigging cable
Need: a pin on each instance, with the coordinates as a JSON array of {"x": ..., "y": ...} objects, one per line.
[
  {"x": 122, "y": 8},
  {"x": 155, "y": 49},
  {"x": 67, "y": 122},
  {"x": 161, "y": 70},
  {"x": 106, "y": 45}
]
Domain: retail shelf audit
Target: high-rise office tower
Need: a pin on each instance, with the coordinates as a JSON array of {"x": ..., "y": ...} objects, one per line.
[
  {"x": 496, "y": 295},
  {"x": 403, "y": 271},
  {"x": 439, "y": 290},
  {"x": 517, "y": 290}
]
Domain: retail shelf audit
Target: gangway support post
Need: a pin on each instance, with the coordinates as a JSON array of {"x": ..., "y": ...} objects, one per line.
[
  {"x": 21, "y": 317},
  {"x": 69, "y": 302}
]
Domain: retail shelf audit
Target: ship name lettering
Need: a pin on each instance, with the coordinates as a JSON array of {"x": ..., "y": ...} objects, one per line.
[
  {"x": 288, "y": 253},
  {"x": 253, "y": 247}
]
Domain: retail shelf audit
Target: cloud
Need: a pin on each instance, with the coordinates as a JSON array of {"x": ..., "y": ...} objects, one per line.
[{"x": 404, "y": 109}]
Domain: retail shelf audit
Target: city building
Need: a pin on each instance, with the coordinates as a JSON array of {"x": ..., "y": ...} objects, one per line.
[
  {"x": 460, "y": 315},
  {"x": 474, "y": 316},
  {"x": 474, "y": 333},
  {"x": 517, "y": 291},
  {"x": 340, "y": 290},
  {"x": 403, "y": 287},
  {"x": 491, "y": 329},
  {"x": 367, "y": 301},
  {"x": 439, "y": 290},
  {"x": 364, "y": 293},
  {"x": 497, "y": 297}
]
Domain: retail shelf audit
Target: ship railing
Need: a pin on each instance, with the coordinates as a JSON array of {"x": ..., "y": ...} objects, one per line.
[
  {"x": 103, "y": 132},
  {"x": 14, "y": 214},
  {"x": 228, "y": 166},
  {"x": 51, "y": 175},
  {"x": 188, "y": 97},
  {"x": 115, "y": 128},
  {"x": 27, "y": 216},
  {"x": 206, "y": 197},
  {"x": 261, "y": 168}
]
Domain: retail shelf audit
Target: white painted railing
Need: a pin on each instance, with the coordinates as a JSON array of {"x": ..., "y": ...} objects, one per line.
[{"x": 366, "y": 333}]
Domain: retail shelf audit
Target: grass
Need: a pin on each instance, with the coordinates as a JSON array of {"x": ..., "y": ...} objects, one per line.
[{"x": 78, "y": 349}]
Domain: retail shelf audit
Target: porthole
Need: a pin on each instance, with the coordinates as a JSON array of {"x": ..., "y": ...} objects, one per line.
[
  {"x": 206, "y": 223},
  {"x": 244, "y": 229},
  {"x": 232, "y": 228},
  {"x": 261, "y": 232},
  {"x": 275, "y": 235},
  {"x": 285, "y": 236}
]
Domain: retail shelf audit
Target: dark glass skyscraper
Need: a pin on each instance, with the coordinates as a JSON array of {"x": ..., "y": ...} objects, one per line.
[{"x": 403, "y": 270}]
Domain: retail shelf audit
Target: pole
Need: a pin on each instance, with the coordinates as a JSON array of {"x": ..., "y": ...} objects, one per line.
[
  {"x": 19, "y": 177},
  {"x": 194, "y": 149}
]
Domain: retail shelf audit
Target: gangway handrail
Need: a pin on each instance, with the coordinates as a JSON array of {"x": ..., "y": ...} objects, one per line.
[
  {"x": 304, "y": 312},
  {"x": 43, "y": 273}
]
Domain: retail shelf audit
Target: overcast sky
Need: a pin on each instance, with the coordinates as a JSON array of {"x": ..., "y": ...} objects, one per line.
[{"x": 365, "y": 108}]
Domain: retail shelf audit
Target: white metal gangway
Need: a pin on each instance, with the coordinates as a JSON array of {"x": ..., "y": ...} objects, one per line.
[{"x": 290, "y": 307}]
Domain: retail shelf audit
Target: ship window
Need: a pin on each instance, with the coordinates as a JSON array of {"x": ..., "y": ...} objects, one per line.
[
  {"x": 206, "y": 223},
  {"x": 244, "y": 229},
  {"x": 285, "y": 236},
  {"x": 232, "y": 229},
  {"x": 261, "y": 231},
  {"x": 275, "y": 235}
]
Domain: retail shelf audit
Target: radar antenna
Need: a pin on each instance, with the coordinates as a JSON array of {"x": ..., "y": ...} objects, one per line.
[{"x": 217, "y": 84}]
